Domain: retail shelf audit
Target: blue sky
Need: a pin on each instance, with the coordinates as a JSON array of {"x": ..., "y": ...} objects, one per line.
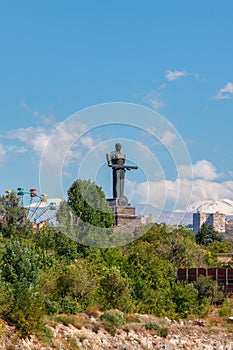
[{"x": 175, "y": 57}]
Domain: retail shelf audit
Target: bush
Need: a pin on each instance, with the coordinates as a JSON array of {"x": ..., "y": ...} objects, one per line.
[
  {"x": 161, "y": 331},
  {"x": 208, "y": 289},
  {"x": 115, "y": 291},
  {"x": 152, "y": 326},
  {"x": 52, "y": 240},
  {"x": 111, "y": 321},
  {"x": 226, "y": 309},
  {"x": 69, "y": 306},
  {"x": 67, "y": 320},
  {"x": 185, "y": 298},
  {"x": 50, "y": 306},
  {"x": 27, "y": 315},
  {"x": 114, "y": 318},
  {"x": 75, "y": 287},
  {"x": 20, "y": 271}
]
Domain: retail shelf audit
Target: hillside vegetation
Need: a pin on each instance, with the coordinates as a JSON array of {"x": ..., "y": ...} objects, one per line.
[{"x": 45, "y": 273}]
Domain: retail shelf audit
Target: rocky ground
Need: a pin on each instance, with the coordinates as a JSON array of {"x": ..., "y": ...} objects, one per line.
[{"x": 89, "y": 332}]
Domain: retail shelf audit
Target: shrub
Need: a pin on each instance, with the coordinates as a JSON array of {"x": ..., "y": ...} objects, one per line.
[
  {"x": 67, "y": 320},
  {"x": 161, "y": 331},
  {"x": 20, "y": 271},
  {"x": 115, "y": 290},
  {"x": 69, "y": 306},
  {"x": 75, "y": 285},
  {"x": 111, "y": 321},
  {"x": 225, "y": 309},
  {"x": 185, "y": 298},
  {"x": 114, "y": 318},
  {"x": 152, "y": 326},
  {"x": 28, "y": 318},
  {"x": 50, "y": 306}
]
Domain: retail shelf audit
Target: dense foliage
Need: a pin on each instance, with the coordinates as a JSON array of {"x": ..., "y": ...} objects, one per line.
[
  {"x": 86, "y": 216},
  {"x": 207, "y": 235},
  {"x": 88, "y": 203},
  {"x": 46, "y": 272}
]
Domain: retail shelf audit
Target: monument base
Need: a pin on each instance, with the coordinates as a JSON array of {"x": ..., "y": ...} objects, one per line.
[{"x": 124, "y": 215}]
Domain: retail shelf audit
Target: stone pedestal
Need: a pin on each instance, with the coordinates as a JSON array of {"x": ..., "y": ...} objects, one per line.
[{"x": 124, "y": 215}]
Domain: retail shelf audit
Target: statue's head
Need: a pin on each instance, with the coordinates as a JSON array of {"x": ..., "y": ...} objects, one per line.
[{"x": 118, "y": 147}]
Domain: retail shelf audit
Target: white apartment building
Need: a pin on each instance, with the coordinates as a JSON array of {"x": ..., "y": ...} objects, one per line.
[{"x": 216, "y": 220}]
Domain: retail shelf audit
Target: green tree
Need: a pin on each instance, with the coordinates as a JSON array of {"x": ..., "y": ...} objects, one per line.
[
  {"x": 208, "y": 289},
  {"x": 14, "y": 216},
  {"x": 176, "y": 245},
  {"x": 115, "y": 290},
  {"x": 88, "y": 202},
  {"x": 151, "y": 279},
  {"x": 185, "y": 298},
  {"x": 179, "y": 247},
  {"x": 67, "y": 219},
  {"x": 207, "y": 235},
  {"x": 54, "y": 241},
  {"x": 70, "y": 288},
  {"x": 20, "y": 271}
]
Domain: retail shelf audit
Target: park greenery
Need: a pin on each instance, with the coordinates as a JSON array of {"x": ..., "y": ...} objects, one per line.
[{"x": 47, "y": 272}]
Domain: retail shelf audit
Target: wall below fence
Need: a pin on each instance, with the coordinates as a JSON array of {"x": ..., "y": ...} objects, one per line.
[{"x": 223, "y": 276}]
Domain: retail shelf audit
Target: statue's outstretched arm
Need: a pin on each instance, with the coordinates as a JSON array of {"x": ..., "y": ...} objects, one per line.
[{"x": 109, "y": 159}]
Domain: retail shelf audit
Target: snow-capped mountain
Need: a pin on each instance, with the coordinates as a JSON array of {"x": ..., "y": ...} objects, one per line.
[
  {"x": 223, "y": 206},
  {"x": 186, "y": 218}
]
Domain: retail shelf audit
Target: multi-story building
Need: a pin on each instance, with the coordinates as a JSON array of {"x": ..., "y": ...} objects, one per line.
[{"x": 216, "y": 220}]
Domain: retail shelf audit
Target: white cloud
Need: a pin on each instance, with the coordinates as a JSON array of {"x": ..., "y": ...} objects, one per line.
[
  {"x": 59, "y": 146},
  {"x": 17, "y": 149},
  {"x": 2, "y": 154},
  {"x": 163, "y": 193},
  {"x": 144, "y": 152},
  {"x": 168, "y": 138},
  {"x": 34, "y": 138},
  {"x": 167, "y": 193},
  {"x": 154, "y": 100},
  {"x": 87, "y": 141},
  {"x": 73, "y": 155},
  {"x": 64, "y": 144},
  {"x": 203, "y": 190},
  {"x": 46, "y": 119},
  {"x": 195, "y": 183},
  {"x": 203, "y": 169},
  {"x": 38, "y": 139},
  {"x": 225, "y": 93},
  {"x": 176, "y": 74}
]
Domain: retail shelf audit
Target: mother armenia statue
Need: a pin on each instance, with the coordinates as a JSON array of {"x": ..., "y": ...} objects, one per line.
[{"x": 116, "y": 160}]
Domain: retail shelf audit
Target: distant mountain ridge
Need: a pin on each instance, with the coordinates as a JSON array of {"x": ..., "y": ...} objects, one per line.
[
  {"x": 223, "y": 206},
  {"x": 186, "y": 218},
  {"x": 161, "y": 216}
]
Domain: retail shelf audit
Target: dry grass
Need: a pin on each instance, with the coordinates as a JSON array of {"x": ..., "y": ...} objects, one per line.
[
  {"x": 75, "y": 320},
  {"x": 131, "y": 318},
  {"x": 92, "y": 312}
]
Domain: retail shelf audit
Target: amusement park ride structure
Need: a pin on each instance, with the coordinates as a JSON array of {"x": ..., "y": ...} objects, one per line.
[{"x": 39, "y": 211}]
